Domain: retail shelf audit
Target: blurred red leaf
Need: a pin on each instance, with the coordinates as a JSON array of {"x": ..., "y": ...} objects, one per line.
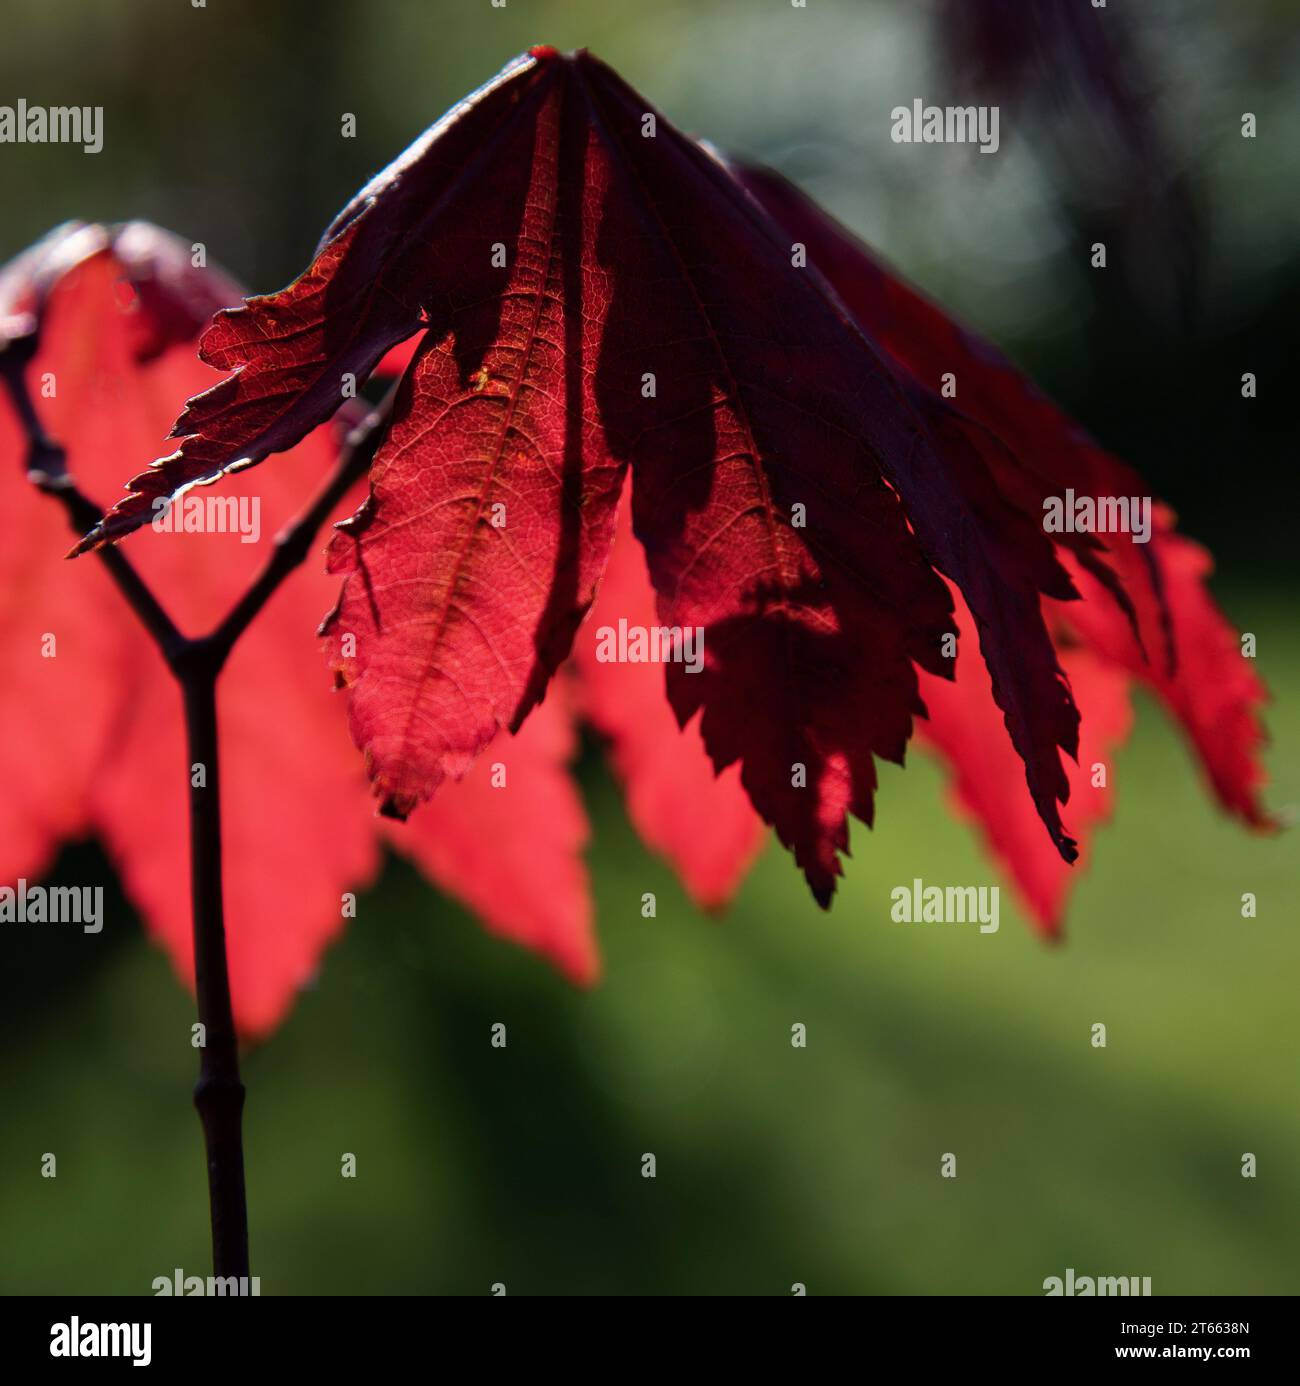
[
  {"x": 964, "y": 728},
  {"x": 96, "y": 742},
  {"x": 702, "y": 822},
  {"x": 1207, "y": 685},
  {"x": 508, "y": 841}
]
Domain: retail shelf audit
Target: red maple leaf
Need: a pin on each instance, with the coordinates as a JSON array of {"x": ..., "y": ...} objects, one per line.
[{"x": 598, "y": 294}]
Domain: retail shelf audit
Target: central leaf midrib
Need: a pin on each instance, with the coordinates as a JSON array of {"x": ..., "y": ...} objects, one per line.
[{"x": 526, "y": 356}]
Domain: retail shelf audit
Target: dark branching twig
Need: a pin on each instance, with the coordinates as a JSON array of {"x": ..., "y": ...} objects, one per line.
[
  {"x": 293, "y": 544},
  {"x": 47, "y": 471},
  {"x": 196, "y": 662}
]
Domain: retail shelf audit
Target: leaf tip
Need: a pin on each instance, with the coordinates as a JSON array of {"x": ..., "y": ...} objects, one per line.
[
  {"x": 396, "y": 807},
  {"x": 823, "y": 891},
  {"x": 89, "y": 541}
]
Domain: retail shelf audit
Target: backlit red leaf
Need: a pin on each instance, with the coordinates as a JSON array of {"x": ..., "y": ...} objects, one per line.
[
  {"x": 380, "y": 275},
  {"x": 767, "y": 475},
  {"x": 599, "y": 293},
  {"x": 1145, "y": 607},
  {"x": 492, "y": 501}
]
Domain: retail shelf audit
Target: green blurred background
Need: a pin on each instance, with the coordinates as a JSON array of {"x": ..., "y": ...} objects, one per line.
[{"x": 775, "y": 1165}]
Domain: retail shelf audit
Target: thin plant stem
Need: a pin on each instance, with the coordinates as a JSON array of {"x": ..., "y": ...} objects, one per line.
[
  {"x": 196, "y": 663},
  {"x": 219, "y": 1093}
]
